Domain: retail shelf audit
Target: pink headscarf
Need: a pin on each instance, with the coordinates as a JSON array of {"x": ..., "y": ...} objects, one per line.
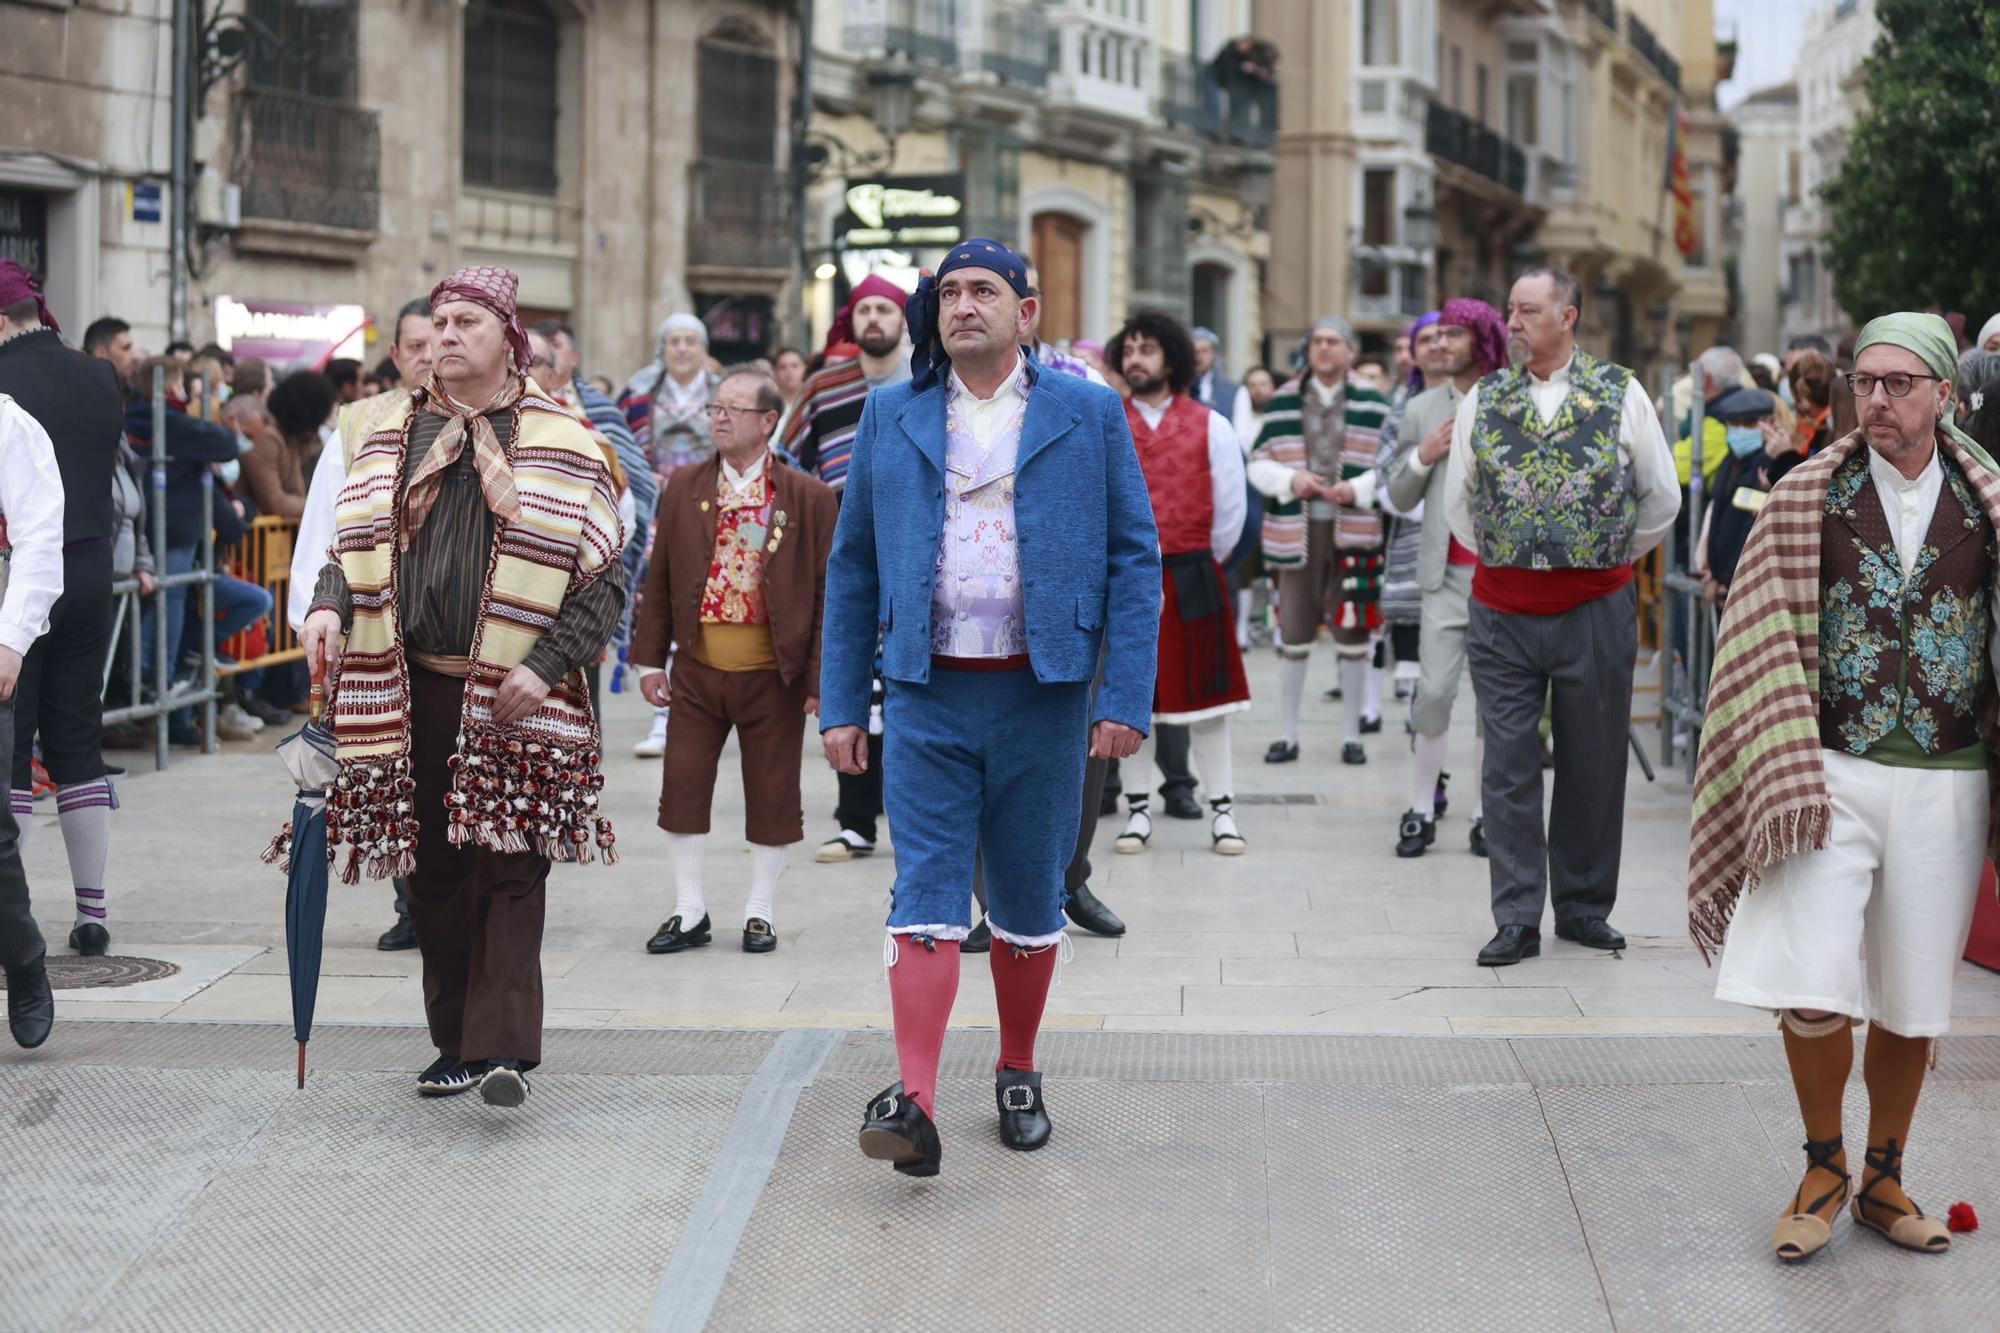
[
  {"x": 495, "y": 288},
  {"x": 1489, "y": 331},
  {"x": 17, "y": 284}
]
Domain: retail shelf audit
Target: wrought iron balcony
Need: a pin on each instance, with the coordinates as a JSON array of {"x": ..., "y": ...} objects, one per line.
[
  {"x": 1649, "y": 49},
  {"x": 739, "y": 216},
  {"x": 1193, "y": 98},
  {"x": 1460, "y": 139},
  {"x": 309, "y": 159},
  {"x": 924, "y": 30},
  {"x": 1017, "y": 46}
]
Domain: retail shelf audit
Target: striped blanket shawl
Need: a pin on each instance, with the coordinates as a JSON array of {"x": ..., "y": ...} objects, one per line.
[
  {"x": 1760, "y": 791},
  {"x": 1283, "y": 440},
  {"x": 532, "y": 786}
]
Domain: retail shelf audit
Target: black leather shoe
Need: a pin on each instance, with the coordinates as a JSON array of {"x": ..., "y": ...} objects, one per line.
[
  {"x": 895, "y": 1129},
  {"x": 90, "y": 938},
  {"x": 1511, "y": 945},
  {"x": 31, "y": 1004},
  {"x": 1478, "y": 838},
  {"x": 979, "y": 941},
  {"x": 671, "y": 938},
  {"x": 758, "y": 937},
  {"x": 402, "y": 935},
  {"x": 1024, "y": 1120},
  {"x": 1180, "y": 805},
  {"x": 1370, "y": 725},
  {"x": 1282, "y": 752},
  {"x": 1353, "y": 753},
  {"x": 1592, "y": 932},
  {"x": 1415, "y": 835},
  {"x": 1107, "y": 804},
  {"x": 1442, "y": 799},
  {"x": 1332, "y": 696},
  {"x": 1085, "y": 909}
]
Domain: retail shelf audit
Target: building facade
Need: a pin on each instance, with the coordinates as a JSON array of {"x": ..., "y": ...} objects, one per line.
[
  {"x": 625, "y": 160},
  {"x": 1829, "y": 75},
  {"x": 1458, "y": 141},
  {"x": 1767, "y": 192},
  {"x": 1116, "y": 142}
]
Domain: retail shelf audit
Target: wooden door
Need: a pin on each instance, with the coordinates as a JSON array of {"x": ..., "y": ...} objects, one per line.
[{"x": 1059, "y": 261}]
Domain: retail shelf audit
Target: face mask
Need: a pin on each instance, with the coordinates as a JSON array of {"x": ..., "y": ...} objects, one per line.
[
  {"x": 244, "y": 444},
  {"x": 229, "y": 472},
  {"x": 1745, "y": 440}
]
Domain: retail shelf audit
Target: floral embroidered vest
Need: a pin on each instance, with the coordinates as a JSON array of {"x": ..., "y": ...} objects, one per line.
[
  {"x": 734, "y": 592},
  {"x": 1896, "y": 650},
  {"x": 1553, "y": 494},
  {"x": 1174, "y": 458}
]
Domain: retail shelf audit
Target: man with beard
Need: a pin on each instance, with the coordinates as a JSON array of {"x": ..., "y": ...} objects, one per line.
[
  {"x": 820, "y": 434},
  {"x": 314, "y": 541}
]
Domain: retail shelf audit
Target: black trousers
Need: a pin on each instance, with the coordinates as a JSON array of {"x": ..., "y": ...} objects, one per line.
[
  {"x": 21, "y": 940},
  {"x": 61, "y": 691},
  {"x": 861, "y": 794}
]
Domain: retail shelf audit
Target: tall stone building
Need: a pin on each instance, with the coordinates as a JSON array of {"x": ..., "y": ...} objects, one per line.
[
  {"x": 1767, "y": 193},
  {"x": 625, "y": 159},
  {"x": 1832, "y": 88}
]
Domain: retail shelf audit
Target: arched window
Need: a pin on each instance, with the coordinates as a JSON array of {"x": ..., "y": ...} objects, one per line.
[{"x": 511, "y": 50}]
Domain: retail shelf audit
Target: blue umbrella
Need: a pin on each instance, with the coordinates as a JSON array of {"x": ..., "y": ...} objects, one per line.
[{"x": 309, "y": 754}]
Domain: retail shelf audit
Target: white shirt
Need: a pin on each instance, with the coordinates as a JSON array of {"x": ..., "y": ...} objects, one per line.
[
  {"x": 1225, "y": 473},
  {"x": 31, "y": 501},
  {"x": 985, "y": 416},
  {"x": 1247, "y": 420},
  {"x": 684, "y": 396},
  {"x": 1641, "y": 444}
]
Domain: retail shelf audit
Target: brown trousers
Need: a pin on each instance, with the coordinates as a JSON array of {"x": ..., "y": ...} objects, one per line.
[
  {"x": 477, "y": 913},
  {"x": 770, "y": 721},
  {"x": 1308, "y": 594}
]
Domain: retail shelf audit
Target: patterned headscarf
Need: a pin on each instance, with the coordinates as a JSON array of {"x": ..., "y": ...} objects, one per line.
[
  {"x": 495, "y": 288},
  {"x": 927, "y": 355},
  {"x": 872, "y": 285},
  {"x": 17, "y": 284},
  {"x": 1489, "y": 330},
  {"x": 1424, "y": 321}
]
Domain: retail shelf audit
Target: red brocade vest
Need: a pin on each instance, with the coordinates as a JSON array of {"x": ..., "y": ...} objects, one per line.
[{"x": 1175, "y": 461}]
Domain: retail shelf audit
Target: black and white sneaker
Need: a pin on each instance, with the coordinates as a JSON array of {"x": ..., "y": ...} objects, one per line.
[
  {"x": 447, "y": 1077},
  {"x": 503, "y": 1084}
]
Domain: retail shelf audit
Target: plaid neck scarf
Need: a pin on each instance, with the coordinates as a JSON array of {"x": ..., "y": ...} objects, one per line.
[{"x": 496, "y": 475}]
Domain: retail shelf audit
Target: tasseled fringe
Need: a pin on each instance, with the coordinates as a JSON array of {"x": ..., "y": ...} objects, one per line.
[
  {"x": 279, "y": 853},
  {"x": 1790, "y": 833},
  {"x": 512, "y": 795}
]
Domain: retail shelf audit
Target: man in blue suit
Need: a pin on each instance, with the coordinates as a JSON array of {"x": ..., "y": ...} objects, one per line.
[{"x": 996, "y": 530}]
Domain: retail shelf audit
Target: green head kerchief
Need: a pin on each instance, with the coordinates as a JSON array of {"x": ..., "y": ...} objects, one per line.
[{"x": 1932, "y": 339}]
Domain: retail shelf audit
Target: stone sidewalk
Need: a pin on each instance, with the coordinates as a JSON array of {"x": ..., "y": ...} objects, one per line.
[{"x": 1318, "y": 929}]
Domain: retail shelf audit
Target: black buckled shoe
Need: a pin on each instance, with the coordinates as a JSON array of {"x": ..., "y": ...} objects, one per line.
[
  {"x": 31, "y": 1004},
  {"x": 672, "y": 937},
  {"x": 1282, "y": 752},
  {"x": 1371, "y": 726},
  {"x": 1024, "y": 1120},
  {"x": 1088, "y": 912},
  {"x": 1415, "y": 835},
  {"x": 1478, "y": 837},
  {"x": 979, "y": 941},
  {"x": 1511, "y": 945},
  {"x": 896, "y": 1130},
  {"x": 758, "y": 937},
  {"x": 1592, "y": 932},
  {"x": 1353, "y": 753},
  {"x": 1180, "y": 805},
  {"x": 90, "y": 939},
  {"x": 402, "y": 935}
]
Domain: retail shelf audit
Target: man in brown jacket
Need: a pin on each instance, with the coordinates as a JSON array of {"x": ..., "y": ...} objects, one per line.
[{"x": 738, "y": 582}]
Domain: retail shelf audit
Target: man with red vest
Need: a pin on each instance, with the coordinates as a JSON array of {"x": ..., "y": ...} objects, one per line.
[{"x": 1194, "y": 475}]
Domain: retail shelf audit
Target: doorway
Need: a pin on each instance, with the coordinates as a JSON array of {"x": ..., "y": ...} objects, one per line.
[{"x": 1059, "y": 241}]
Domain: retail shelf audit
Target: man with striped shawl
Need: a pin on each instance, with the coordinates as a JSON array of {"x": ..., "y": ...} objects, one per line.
[
  {"x": 1320, "y": 433},
  {"x": 474, "y": 574},
  {"x": 1841, "y": 810}
]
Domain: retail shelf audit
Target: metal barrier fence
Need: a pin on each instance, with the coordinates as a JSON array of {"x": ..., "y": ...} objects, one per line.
[{"x": 1688, "y": 633}]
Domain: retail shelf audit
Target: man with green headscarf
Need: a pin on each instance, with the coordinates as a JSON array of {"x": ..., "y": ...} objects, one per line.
[{"x": 1841, "y": 810}]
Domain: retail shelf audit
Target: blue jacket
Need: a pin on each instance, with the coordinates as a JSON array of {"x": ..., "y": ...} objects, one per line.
[{"x": 1090, "y": 555}]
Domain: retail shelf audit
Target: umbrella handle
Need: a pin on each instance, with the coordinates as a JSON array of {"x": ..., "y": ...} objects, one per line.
[
  {"x": 302, "y": 1064},
  {"x": 318, "y": 705}
]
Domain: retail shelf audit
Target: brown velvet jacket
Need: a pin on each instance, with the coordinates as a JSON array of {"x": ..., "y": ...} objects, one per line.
[
  {"x": 275, "y": 475},
  {"x": 794, "y": 574}
]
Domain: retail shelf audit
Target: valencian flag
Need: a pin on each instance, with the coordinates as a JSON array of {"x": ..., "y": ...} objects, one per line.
[{"x": 1678, "y": 186}]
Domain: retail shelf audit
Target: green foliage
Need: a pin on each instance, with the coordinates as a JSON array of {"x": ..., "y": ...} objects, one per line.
[{"x": 1916, "y": 205}]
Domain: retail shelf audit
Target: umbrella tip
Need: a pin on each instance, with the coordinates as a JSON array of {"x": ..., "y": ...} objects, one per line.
[{"x": 302, "y": 1064}]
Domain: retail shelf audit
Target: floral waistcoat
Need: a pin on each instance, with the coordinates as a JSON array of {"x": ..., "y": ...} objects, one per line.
[
  {"x": 1895, "y": 649},
  {"x": 1553, "y": 494},
  {"x": 734, "y": 592}
]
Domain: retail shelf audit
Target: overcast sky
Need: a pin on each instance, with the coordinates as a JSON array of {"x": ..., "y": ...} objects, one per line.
[{"x": 1767, "y": 41}]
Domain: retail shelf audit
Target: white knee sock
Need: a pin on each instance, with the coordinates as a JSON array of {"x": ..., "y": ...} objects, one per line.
[
  {"x": 1209, "y": 740},
  {"x": 766, "y": 864},
  {"x": 85, "y": 809},
  {"x": 1353, "y": 691},
  {"x": 1144, "y": 763},
  {"x": 1378, "y": 671},
  {"x": 1478, "y": 776},
  {"x": 684, "y": 854},
  {"x": 1425, "y": 770},
  {"x": 1292, "y": 687},
  {"x": 1243, "y": 618}
]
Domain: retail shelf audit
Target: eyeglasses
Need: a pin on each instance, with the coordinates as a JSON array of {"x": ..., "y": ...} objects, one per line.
[
  {"x": 717, "y": 409},
  {"x": 1898, "y": 385}
]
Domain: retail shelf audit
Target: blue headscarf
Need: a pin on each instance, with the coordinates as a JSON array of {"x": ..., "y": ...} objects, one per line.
[{"x": 927, "y": 355}]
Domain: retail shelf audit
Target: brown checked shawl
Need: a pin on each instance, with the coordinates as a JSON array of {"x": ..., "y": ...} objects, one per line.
[{"x": 1760, "y": 790}]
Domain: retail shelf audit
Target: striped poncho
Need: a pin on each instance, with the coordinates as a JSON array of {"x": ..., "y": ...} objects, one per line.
[
  {"x": 1760, "y": 789},
  {"x": 531, "y": 786},
  {"x": 1282, "y": 440}
]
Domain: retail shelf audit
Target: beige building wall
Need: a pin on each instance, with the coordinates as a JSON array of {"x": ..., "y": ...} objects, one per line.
[{"x": 1312, "y": 206}]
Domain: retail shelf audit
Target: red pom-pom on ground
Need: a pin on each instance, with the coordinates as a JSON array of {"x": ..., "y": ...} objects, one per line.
[{"x": 1960, "y": 1217}]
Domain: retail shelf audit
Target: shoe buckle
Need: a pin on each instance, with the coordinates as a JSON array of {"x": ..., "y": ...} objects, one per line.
[
  {"x": 1027, "y": 1102},
  {"x": 888, "y": 1108}
]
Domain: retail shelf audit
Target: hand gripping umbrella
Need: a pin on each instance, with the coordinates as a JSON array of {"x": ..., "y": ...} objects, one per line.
[{"x": 309, "y": 754}]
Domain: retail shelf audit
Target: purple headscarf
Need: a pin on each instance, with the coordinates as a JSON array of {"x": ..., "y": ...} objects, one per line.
[
  {"x": 1417, "y": 371},
  {"x": 17, "y": 284},
  {"x": 1489, "y": 331}
]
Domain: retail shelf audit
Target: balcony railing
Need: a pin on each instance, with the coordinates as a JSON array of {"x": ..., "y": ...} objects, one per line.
[
  {"x": 924, "y": 30},
  {"x": 1649, "y": 49},
  {"x": 1017, "y": 46},
  {"x": 1460, "y": 139},
  {"x": 310, "y": 159},
  {"x": 1192, "y": 98},
  {"x": 739, "y": 216}
]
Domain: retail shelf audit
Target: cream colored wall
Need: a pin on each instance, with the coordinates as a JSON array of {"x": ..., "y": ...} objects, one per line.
[
  {"x": 1311, "y": 204},
  {"x": 1463, "y": 23}
]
